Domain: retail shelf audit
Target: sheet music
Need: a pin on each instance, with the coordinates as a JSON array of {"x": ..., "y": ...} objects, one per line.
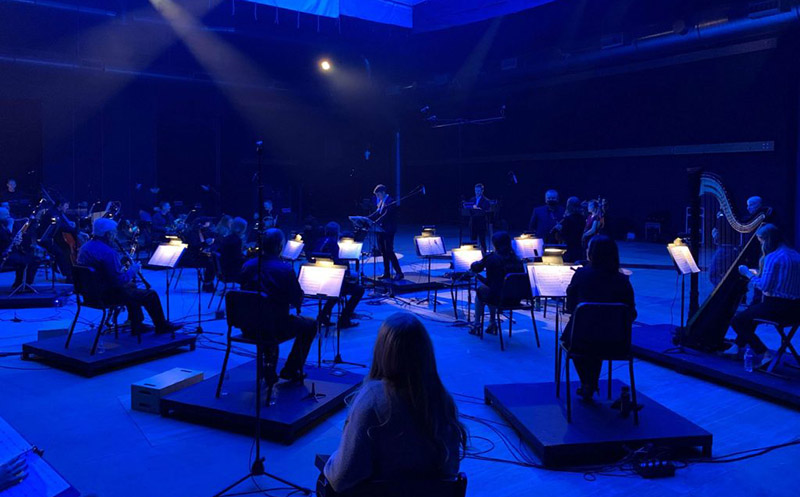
[
  {"x": 549, "y": 280},
  {"x": 321, "y": 280},
  {"x": 166, "y": 255},
  {"x": 291, "y": 251},
  {"x": 42, "y": 479},
  {"x": 683, "y": 259},
  {"x": 430, "y": 245},
  {"x": 528, "y": 248},
  {"x": 350, "y": 251},
  {"x": 463, "y": 258}
]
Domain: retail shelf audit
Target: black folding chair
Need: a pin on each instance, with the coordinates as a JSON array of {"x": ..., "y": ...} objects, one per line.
[
  {"x": 433, "y": 487},
  {"x": 515, "y": 296},
  {"x": 226, "y": 279},
  {"x": 89, "y": 293},
  {"x": 598, "y": 331},
  {"x": 258, "y": 314}
]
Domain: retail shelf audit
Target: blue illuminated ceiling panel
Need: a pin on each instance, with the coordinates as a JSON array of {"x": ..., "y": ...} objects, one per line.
[{"x": 421, "y": 15}]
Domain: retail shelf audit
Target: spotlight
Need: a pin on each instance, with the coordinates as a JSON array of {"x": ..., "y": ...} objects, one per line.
[{"x": 325, "y": 65}]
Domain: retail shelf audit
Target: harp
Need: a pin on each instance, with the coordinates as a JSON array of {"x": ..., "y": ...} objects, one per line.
[{"x": 732, "y": 243}]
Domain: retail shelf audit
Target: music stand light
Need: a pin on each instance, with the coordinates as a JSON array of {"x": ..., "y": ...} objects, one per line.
[{"x": 553, "y": 256}]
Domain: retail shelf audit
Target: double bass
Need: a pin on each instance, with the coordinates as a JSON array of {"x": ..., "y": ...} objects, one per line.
[{"x": 707, "y": 326}]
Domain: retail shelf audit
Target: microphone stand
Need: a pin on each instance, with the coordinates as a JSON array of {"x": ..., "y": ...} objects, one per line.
[{"x": 257, "y": 468}]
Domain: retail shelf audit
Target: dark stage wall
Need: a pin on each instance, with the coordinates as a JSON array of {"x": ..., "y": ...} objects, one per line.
[{"x": 744, "y": 98}]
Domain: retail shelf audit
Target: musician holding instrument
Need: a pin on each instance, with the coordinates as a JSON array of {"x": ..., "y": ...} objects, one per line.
[
  {"x": 52, "y": 237},
  {"x": 279, "y": 282},
  {"x": 778, "y": 279},
  {"x": 498, "y": 264},
  {"x": 544, "y": 218},
  {"x": 162, "y": 220},
  {"x": 328, "y": 247},
  {"x": 385, "y": 217},
  {"x": 479, "y": 219},
  {"x": 230, "y": 249},
  {"x": 595, "y": 221},
  {"x": 118, "y": 282},
  {"x": 569, "y": 230},
  {"x": 16, "y": 249}
]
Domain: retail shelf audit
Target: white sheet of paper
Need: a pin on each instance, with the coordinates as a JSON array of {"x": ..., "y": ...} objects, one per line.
[
  {"x": 463, "y": 258},
  {"x": 350, "y": 251},
  {"x": 549, "y": 280},
  {"x": 321, "y": 280},
  {"x": 291, "y": 251},
  {"x": 166, "y": 255},
  {"x": 42, "y": 479},
  {"x": 430, "y": 245},
  {"x": 683, "y": 259},
  {"x": 528, "y": 248}
]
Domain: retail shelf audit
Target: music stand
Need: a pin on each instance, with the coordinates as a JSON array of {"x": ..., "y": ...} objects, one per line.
[
  {"x": 550, "y": 281},
  {"x": 463, "y": 258},
  {"x": 167, "y": 255},
  {"x": 685, "y": 264},
  {"x": 527, "y": 247},
  {"x": 322, "y": 281},
  {"x": 292, "y": 250},
  {"x": 371, "y": 227}
]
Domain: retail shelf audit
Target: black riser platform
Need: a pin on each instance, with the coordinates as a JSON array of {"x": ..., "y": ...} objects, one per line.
[
  {"x": 293, "y": 413},
  {"x": 597, "y": 434},
  {"x": 118, "y": 352}
]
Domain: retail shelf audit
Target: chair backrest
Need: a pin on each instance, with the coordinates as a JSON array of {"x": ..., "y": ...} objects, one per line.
[
  {"x": 601, "y": 330},
  {"x": 258, "y": 316},
  {"x": 516, "y": 287},
  {"x": 87, "y": 286},
  {"x": 444, "y": 487}
]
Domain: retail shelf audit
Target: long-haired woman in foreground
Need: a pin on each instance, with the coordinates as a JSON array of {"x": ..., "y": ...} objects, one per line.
[{"x": 403, "y": 424}]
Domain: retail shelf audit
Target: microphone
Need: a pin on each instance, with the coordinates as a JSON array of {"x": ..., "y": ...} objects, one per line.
[
  {"x": 422, "y": 188},
  {"x": 512, "y": 177},
  {"x": 260, "y": 146}
]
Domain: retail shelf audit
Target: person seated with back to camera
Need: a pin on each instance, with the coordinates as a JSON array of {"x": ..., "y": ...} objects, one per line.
[
  {"x": 279, "y": 283},
  {"x": 403, "y": 424},
  {"x": 498, "y": 264},
  {"x": 328, "y": 247},
  {"x": 118, "y": 282},
  {"x": 778, "y": 280},
  {"x": 600, "y": 281},
  {"x": 229, "y": 248}
]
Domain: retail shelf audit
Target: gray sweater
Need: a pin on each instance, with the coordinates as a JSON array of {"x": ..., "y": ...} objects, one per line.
[{"x": 381, "y": 441}]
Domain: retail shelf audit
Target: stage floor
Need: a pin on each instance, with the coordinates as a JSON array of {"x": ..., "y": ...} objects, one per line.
[{"x": 91, "y": 435}]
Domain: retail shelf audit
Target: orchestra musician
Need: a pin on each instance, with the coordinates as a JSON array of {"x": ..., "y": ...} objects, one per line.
[
  {"x": 328, "y": 247},
  {"x": 599, "y": 281},
  {"x": 385, "y": 216},
  {"x": 570, "y": 230},
  {"x": 270, "y": 219},
  {"x": 52, "y": 238},
  {"x": 118, "y": 282},
  {"x": 595, "y": 222},
  {"x": 230, "y": 249},
  {"x": 20, "y": 256},
  {"x": 162, "y": 219},
  {"x": 778, "y": 279},
  {"x": 479, "y": 218},
  {"x": 503, "y": 261},
  {"x": 279, "y": 282},
  {"x": 544, "y": 218}
]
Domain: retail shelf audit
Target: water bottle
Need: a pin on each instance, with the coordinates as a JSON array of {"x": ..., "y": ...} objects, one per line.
[{"x": 748, "y": 359}]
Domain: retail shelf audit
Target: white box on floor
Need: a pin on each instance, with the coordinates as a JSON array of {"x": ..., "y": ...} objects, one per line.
[{"x": 146, "y": 394}]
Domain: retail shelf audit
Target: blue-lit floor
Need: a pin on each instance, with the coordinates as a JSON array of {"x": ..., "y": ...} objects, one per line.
[{"x": 90, "y": 434}]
